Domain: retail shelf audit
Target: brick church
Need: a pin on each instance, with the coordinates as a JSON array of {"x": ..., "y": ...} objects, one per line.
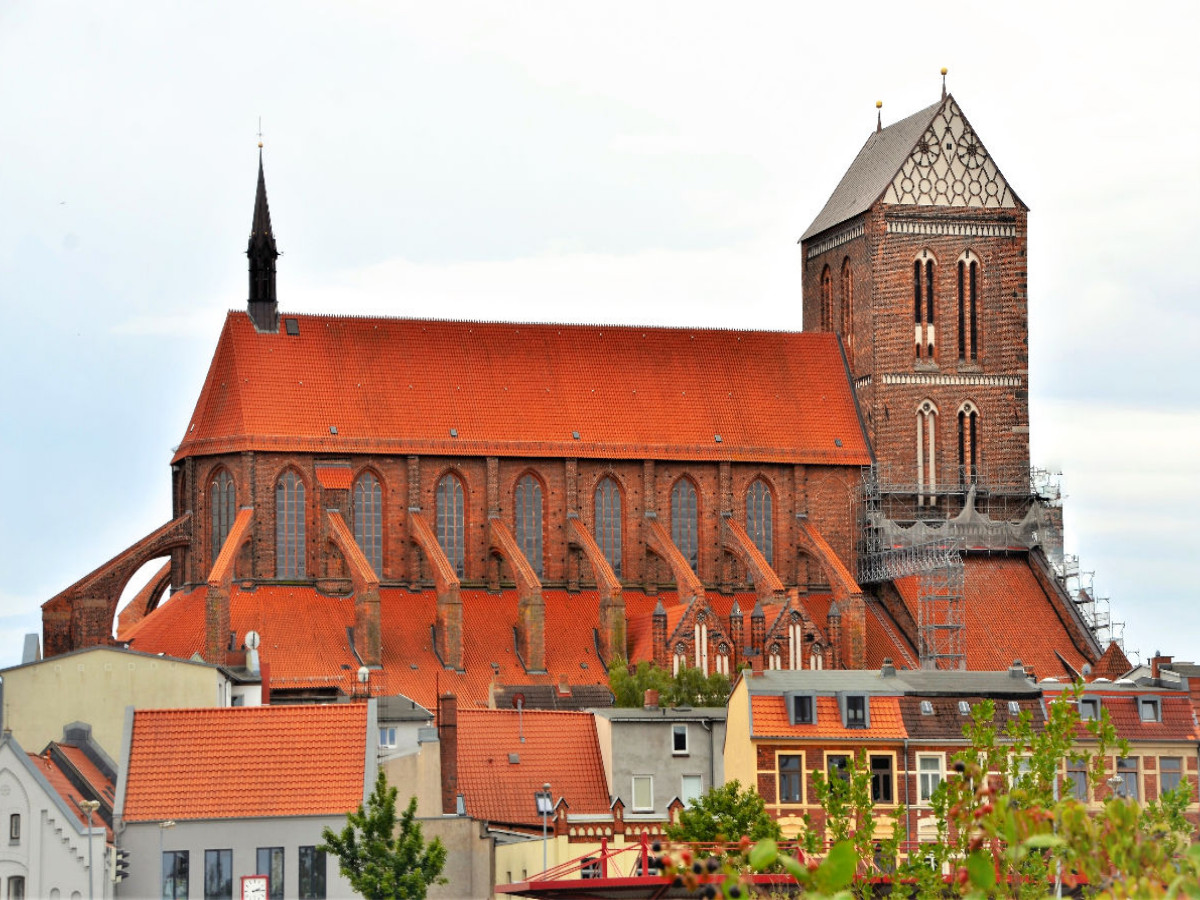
[{"x": 467, "y": 506}]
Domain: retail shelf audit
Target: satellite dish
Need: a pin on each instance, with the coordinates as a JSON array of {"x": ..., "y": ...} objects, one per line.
[
  {"x": 252, "y": 640},
  {"x": 364, "y": 674}
]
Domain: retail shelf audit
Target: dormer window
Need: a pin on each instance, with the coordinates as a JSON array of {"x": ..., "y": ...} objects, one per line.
[
  {"x": 1149, "y": 709},
  {"x": 855, "y": 711},
  {"x": 802, "y": 709},
  {"x": 1014, "y": 708},
  {"x": 964, "y": 708},
  {"x": 1089, "y": 708}
]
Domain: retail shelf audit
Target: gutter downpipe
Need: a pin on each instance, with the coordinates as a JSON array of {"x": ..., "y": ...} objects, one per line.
[
  {"x": 907, "y": 804},
  {"x": 712, "y": 760}
]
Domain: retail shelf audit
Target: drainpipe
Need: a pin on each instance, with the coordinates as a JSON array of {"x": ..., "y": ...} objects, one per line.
[
  {"x": 712, "y": 761},
  {"x": 907, "y": 804}
]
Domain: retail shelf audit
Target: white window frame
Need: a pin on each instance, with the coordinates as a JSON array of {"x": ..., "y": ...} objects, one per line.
[
  {"x": 923, "y": 796},
  {"x": 683, "y": 793},
  {"x": 633, "y": 791},
  {"x": 388, "y": 742},
  {"x": 675, "y": 729}
]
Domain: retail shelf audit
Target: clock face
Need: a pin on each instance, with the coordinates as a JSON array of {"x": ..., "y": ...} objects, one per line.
[{"x": 254, "y": 887}]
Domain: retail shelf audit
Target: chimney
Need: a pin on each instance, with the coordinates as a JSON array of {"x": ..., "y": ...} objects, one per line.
[
  {"x": 1017, "y": 670},
  {"x": 1157, "y": 662},
  {"x": 448, "y": 737},
  {"x": 650, "y": 700},
  {"x": 888, "y": 670}
]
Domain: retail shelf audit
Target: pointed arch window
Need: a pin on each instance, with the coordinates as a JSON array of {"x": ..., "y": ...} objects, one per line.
[
  {"x": 684, "y": 522},
  {"x": 608, "y": 522},
  {"x": 368, "y": 519},
  {"x": 826, "y": 300},
  {"x": 758, "y": 519},
  {"x": 968, "y": 443},
  {"x": 527, "y": 505},
  {"x": 289, "y": 526},
  {"x": 847, "y": 304},
  {"x": 926, "y": 454},
  {"x": 222, "y": 497},
  {"x": 451, "y": 522},
  {"x": 968, "y": 307},
  {"x": 923, "y": 272}
]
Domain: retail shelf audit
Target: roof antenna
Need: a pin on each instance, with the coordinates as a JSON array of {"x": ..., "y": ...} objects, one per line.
[
  {"x": 878, "y": 116},
  {"x": 943, "y": 84}
]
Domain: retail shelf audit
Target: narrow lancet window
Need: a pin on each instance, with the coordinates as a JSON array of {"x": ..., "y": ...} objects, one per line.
[
  {"x": 289, "y": 526},
  {"x": 527, "y": 505},
  {"x": 684, "y": 525},
  {"x": 608, "y": 523},
  {"x": 926, "y": 454},
  {"x": 368, "y": 519},
  {"x": 223, "y": 500},
  {"x": 758, "y": 519},
  {"x": 451, "y": 522}
]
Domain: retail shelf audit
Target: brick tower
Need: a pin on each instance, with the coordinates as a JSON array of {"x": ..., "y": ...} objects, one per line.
[{"x": 918, "y": 262}]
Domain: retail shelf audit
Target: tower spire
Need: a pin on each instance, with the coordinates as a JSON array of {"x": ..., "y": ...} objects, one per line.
[{"x": 263, "y": 306}]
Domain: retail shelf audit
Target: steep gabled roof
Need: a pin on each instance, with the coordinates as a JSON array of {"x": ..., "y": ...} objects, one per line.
[
  {"x": 243, "y": 762},
  {"x": 361, "y": 385}
]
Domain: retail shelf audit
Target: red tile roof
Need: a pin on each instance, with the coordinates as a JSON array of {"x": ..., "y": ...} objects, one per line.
[
  {"x": 246, "y": 762},
  {"x": 558, "y": 747},
  {"x": 62, "y": 785},
  {"x": 402, "y": 385},
  {"x": 769, "y": 718},
  {"x": 1113, "y": 664},
  {"x": 334, "y": 478},
  {"x": 1008, "y": 616}
]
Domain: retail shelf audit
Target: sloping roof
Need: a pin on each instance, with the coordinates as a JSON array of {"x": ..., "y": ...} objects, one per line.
[
  {"x": 1177, "y": 720},
  {"x": 548, "y": 746},
  {"x": 550, "y": 696},
  {"x": 946, "y": 722},
  {"x": 769, "y": 718},
  {"x": 402, "y": 386},
  {"x": 60, "y": 780},
  {"x": 872, "y": 170},
  {"x": 1113, "y": 664},
  {"x": 243, "y": 762}
]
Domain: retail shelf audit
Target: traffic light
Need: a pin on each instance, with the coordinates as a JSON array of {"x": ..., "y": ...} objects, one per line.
[{"x": 120, "y": 870}]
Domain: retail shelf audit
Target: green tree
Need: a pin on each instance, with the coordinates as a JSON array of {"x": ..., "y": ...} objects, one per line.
[
  {"x": 724, "y": 813},
  {"x": 383, "y": 859},
  {"x": 690, "y": 687}
]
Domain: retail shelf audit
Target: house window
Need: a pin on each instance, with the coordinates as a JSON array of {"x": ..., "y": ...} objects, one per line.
[
  {"x": 608, "y": 523},
  {"x": 856, "y": 711},
  {"x": 679, "y": 740},
  {"x": 929, "y": 770},
  {"x": 1127, "y": 772},
  {"x": 16, "y": 887},
  {"x": 1076, "y": 781},
  {"x": 838, "y": 766},
  {"x": 14, "y": 828},
  {"x": 222, "y": 500},
  {"x": 270, "y": 863},
  {"x": 803, "y": 709},
  {"x": 1089, "y": 708},
  {"x": 758, "y": 518},
  {"x": 968, "y": 443},
  {"x": 683, "y": 520},
  {"x": 826, "y": 300},
  {"x": 175, "y": 874},
  {"x": 691, "y": 788},
  {"x": 1014, "y": 708},
  {"x": 218, "y": 874},
  {"x": 1149, "y": 710},
  {"x": 368, "y": 520},
  {"x": 964, "y": 708},
  {"x": 847, "y": 304},
  {"x": 527, "y": 505},
  {"x": 643, "y": 793},
  {"x": 589, "y": 867},
  {"x": 881, "y": 779},
  {"x": 451, "y": 518},
  {"x": 289, "y": 526},
  {"x": 927, "y": 414},
  {"x": 927, "y": 707},
  {"x": 923, "y": 306},
  {"x": 968, "y": 301},
  {"x": 1170, "y": 773},
  {"x": 791, "y": 777},
  {"x": 387, "y": 737},
  {"x": 312, "y": 874}
]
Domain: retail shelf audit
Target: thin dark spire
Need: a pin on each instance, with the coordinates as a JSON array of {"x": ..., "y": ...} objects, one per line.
[{"x": 263, "y": 305}]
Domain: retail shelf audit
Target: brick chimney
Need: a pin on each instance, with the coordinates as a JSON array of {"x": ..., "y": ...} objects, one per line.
[
  {"x": 448, "y": 738},
  {"x": 1157, "y": 661},
  {"x": 650, "y": 699}
]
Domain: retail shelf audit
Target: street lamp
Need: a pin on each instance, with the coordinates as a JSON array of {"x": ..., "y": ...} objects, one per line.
[
  {"x": 545, "y": 806},
  {"x": 1116, "y": 782},
  {"x": 89, "y": 807}
]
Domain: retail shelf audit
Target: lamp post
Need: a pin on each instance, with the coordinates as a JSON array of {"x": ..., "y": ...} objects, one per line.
[
  {"x": 89, "y": 807},
  {"x": 545, "y": 805},
  {"x": 1115, "y": 784}
]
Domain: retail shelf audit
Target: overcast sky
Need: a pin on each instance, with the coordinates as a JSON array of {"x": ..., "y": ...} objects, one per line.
[{"x": 618, "y": 162}]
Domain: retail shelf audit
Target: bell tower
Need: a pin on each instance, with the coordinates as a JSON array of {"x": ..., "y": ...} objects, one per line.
[{"x": 263, "y": 305}]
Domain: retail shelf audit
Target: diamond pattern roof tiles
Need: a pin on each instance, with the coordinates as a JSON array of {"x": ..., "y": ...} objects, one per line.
[
  {"x": 347, "y": 384},
  {"x": 548, "y": 746},
  {"x": 244, "y": 762},
  {"x": 769, "y": 718}
]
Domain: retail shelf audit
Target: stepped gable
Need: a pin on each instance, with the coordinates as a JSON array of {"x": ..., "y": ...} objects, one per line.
[
  {"x": 244, "y": 762},
  {"x": 402, "y": 385}
]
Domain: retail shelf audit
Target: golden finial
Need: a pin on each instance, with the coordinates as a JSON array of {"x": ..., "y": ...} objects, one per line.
[
  {"x": 878, "y": 116},
  {"x": 944, "y": 70},
  {"x": 260, "y": 132}
]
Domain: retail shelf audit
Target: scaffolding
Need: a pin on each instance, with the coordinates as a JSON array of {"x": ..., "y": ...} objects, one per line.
[{"x": 1096, "y": 610}]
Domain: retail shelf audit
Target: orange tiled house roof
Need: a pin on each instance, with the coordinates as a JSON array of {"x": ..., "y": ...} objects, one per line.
[
  {"x": 401, "y": 385},
  {"x": 242, "y": 762},
  {"x": 769, "y": 718}
]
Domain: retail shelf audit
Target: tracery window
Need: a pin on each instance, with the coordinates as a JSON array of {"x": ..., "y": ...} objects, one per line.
[
  {"x": 451, "y": 521},
  {"x": 527, "y": 506},
  {"x": 368, "y": 519},
  {"x": 222, "y": 498},
  {"x": 968, "y": 302},
  {"x": 758, "y": 518},
  {"x": 847, "y": 304},
  {"x": 968, "y": 443},
  {"x": 289, "y": 526},
  {"x": 923, "y": 271},
  {"x": 684, "y": 523},
  {"x": 826, "y": 300},
  {"x": 926, "y": 453},
  {"x": 608, "y": 522}
]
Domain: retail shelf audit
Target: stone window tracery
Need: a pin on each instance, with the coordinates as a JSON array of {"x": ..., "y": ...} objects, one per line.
[
  {"x": 289, "y": 526},
  {"x": 527, "y": 508},
  {"x": 758, "y": 519},
  {"x": 684, "y": 522},
  {"x": 926, "y": 453},
  {"x": 968, "y": 443},
  {"x": 923, "y": 305},
  {"x": 608, "y": 522},
  {"x": 451, "y": 522},
  {"x": 222, "y": 499},
  {"x": 368, "y": 519},
  {"x": 968, "y": 307},
  {"x": 826, "y": 300}
]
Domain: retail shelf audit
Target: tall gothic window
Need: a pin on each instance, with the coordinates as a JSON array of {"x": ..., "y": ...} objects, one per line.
[
  {"x": 968, "y": 307},
  {"x": 608, "y": 523},
  {"x": 758, "y": 518},
  {"x": 826, "y": 300},
  {"x": 923, "y": 305},
  {"x": 968, "y": 443},
  {"x": 368, "y": 519},
  {"x": 684, "y": 523},
  {"x": 847, "y": 304},
  {"x": 451, "y": 521},
  {"x": 527, "y": 505},
  {"x": 222, "y": 499},
  {"x": 289, "y": 526},
  {"x": 926, "y": 453}
]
